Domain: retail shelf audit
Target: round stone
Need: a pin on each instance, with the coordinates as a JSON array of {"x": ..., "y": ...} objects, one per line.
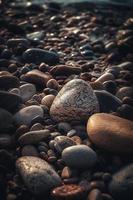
[
  {"x": 75, "y": 101},
  {"x": 25, "y": 115},
  {"x": 79, "y": 157},
  {"x": 27, "y": 91},
  {"x": 125, "y": 92},
  {"x": 48, "y": 100},
  {"x": 29, "y": 150},
  {"x": 37, "y": 174},
  {"x": 110, "y": 132},
  {"x": 33, "y": 137},
  {"x": 122, "y": 183}
]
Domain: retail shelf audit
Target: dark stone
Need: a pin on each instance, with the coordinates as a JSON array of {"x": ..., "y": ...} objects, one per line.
[
  {"x": 9, "y": 101},
  {"x": 37, "y": 56},
  {"x": 7, "y": 82},
  {"x": 107, "y": 101},
  {"x": 6, "y": 120},
  {"x": 121, "y": 186},
  {"x": 125, "y": 111},
  {"x": 110, "y": 86},
  {"x": 6, "y": 159}
]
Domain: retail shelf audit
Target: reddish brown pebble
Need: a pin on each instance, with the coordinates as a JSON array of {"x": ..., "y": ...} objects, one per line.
[
  {"x": 95, "y": 194},
  {"x": 68, "y": 192}
]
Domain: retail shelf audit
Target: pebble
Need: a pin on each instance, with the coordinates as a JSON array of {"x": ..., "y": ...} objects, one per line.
[
  {"x": 122, "y": 183},
  {"x": 110, "y": 86},
  {"x": 68, "y": 192},
  {"x": 37, "y": 174},
  {"x": 48, "y": 100},
  {"x": 6, "y": 120},
  {"x": 75, "y": 101},
  {"x": 5, "y": 141},
  {"x": 105, "y": 77},
  {"x": 37, "y": 77},
  {"x": 6, "y": 97},
  {"x": 29, "y": 150},
  {"x": 12, "y": 43},
  {"x": 33, "y": 137},
  {"x": 107, "y": 101},
  {"x": 95, "y": 194},
  {"x": 25, "y": 115},
  {"x": 37, "y": 56},
  {"x": 35, "y": 35},
  {"x": 27, "y": 91},
  {"x": 61, "y": 70},
  {"x": 52, "y": 84},
  {"x": 125, "y": 111},
  {"x": 64, "y": 127},
  {"x": 105, "y": 130},
  {"x": 125, "y": 92},
  {"x": 6, "y": 159},
  {"x": 8, "y": 81},
  {"x": 62, "y": 142},
  {"x": 79, "y": 157}
]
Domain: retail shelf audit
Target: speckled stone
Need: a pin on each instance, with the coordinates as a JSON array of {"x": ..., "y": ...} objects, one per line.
[
  {"x": 75, "y": 101},
  {"x": 110, "y": 132},
  {"x": 37, "y": 174},
  {"x": 25, "y": 115}
]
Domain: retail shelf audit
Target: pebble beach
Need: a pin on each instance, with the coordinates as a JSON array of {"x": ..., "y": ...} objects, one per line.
[{"x": 66, "y": 101}]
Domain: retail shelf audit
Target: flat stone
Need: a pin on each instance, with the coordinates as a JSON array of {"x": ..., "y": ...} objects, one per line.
[
  {"x": 34, "y": 137},
  {"x": 9, "y": 101},
  {"x": 37, "y": 77},
  {"x": 8, "y": 81},
  {"x": 26, "y": 115},
  {"x": 107, "y": 101},
  {"x": 6, "y": 120},
  {"x": 27, "y": 91},
  {"x": 60, "y": 70},
  {"x": 121, "y": 186},
  {"x": 37, "y": 174},
  {"x": 37, "y": 56},
  {"x": 12, "y": 43},
  {"x": 110, "y": 132},
  {"x": 75, "y": 101},
  {"x": 37, "y": 35},
  {"x": 79, "y": 157}
]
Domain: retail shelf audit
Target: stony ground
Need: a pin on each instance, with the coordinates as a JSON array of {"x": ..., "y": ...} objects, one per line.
[{"x": 66, "y": 102}]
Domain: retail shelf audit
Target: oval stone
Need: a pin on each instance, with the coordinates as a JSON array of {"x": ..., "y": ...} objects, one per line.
[
  {"x": 121, "y": 186},
  {"x": 110, "y": 132},
  {"x": 37, "y": 174},
  {"x": 105, "y": 77},
  {"x": 27, "y": 91},
  {"x": 37, "y": 56},
  {"x": 33, "y": 137},
  {"x": 75, "y": 101},
  {"x": 79, "y": 157},
  {"x": 125, "y": 92},
  {"x": 8, "y": 81},
  {"x": 25, "y": 115}
]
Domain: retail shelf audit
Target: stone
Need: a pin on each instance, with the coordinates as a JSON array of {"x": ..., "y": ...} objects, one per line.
[
  {"x": 111, "y": 133},
  {"x": 125, "y": 92},
  {"x": 37, "y": 35},
  {"x": 37, "y": 77},
  {"x": 75, "y": 101},
  {"x": 62, "y": 142},
  {"x": 37, "y": 56},
  {"x": 5, "y": 141},
  {"x": 37, "y": 174},
  {"x": 6, "y": 97},
  {"x": 110, "y": 86},
  {"x": 105, "y": 77},
  {"x": 122, "y": 183},
  {"x": 107, "y": 101},
  {"x": 6, "y": 159},
  {"x": 25, "y": 115},
  {"x": 8, "y": 81},
  {"x": 33, "y": 137},
  {"x": 29, "y": 150},
  {"x": 60, "y": 70},
  {"x": 48, "y": 100},
  {"x": 95, "y": 194},
  {"x": 79, "y": 157},
  {"x": 6, "y": 120},
  {"x": 12, "y": 43},
  {"x": 27, "y": 91}
]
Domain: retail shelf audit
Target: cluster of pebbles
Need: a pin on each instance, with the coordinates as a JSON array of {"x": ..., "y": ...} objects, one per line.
[{"x": 66, "y": 103}]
